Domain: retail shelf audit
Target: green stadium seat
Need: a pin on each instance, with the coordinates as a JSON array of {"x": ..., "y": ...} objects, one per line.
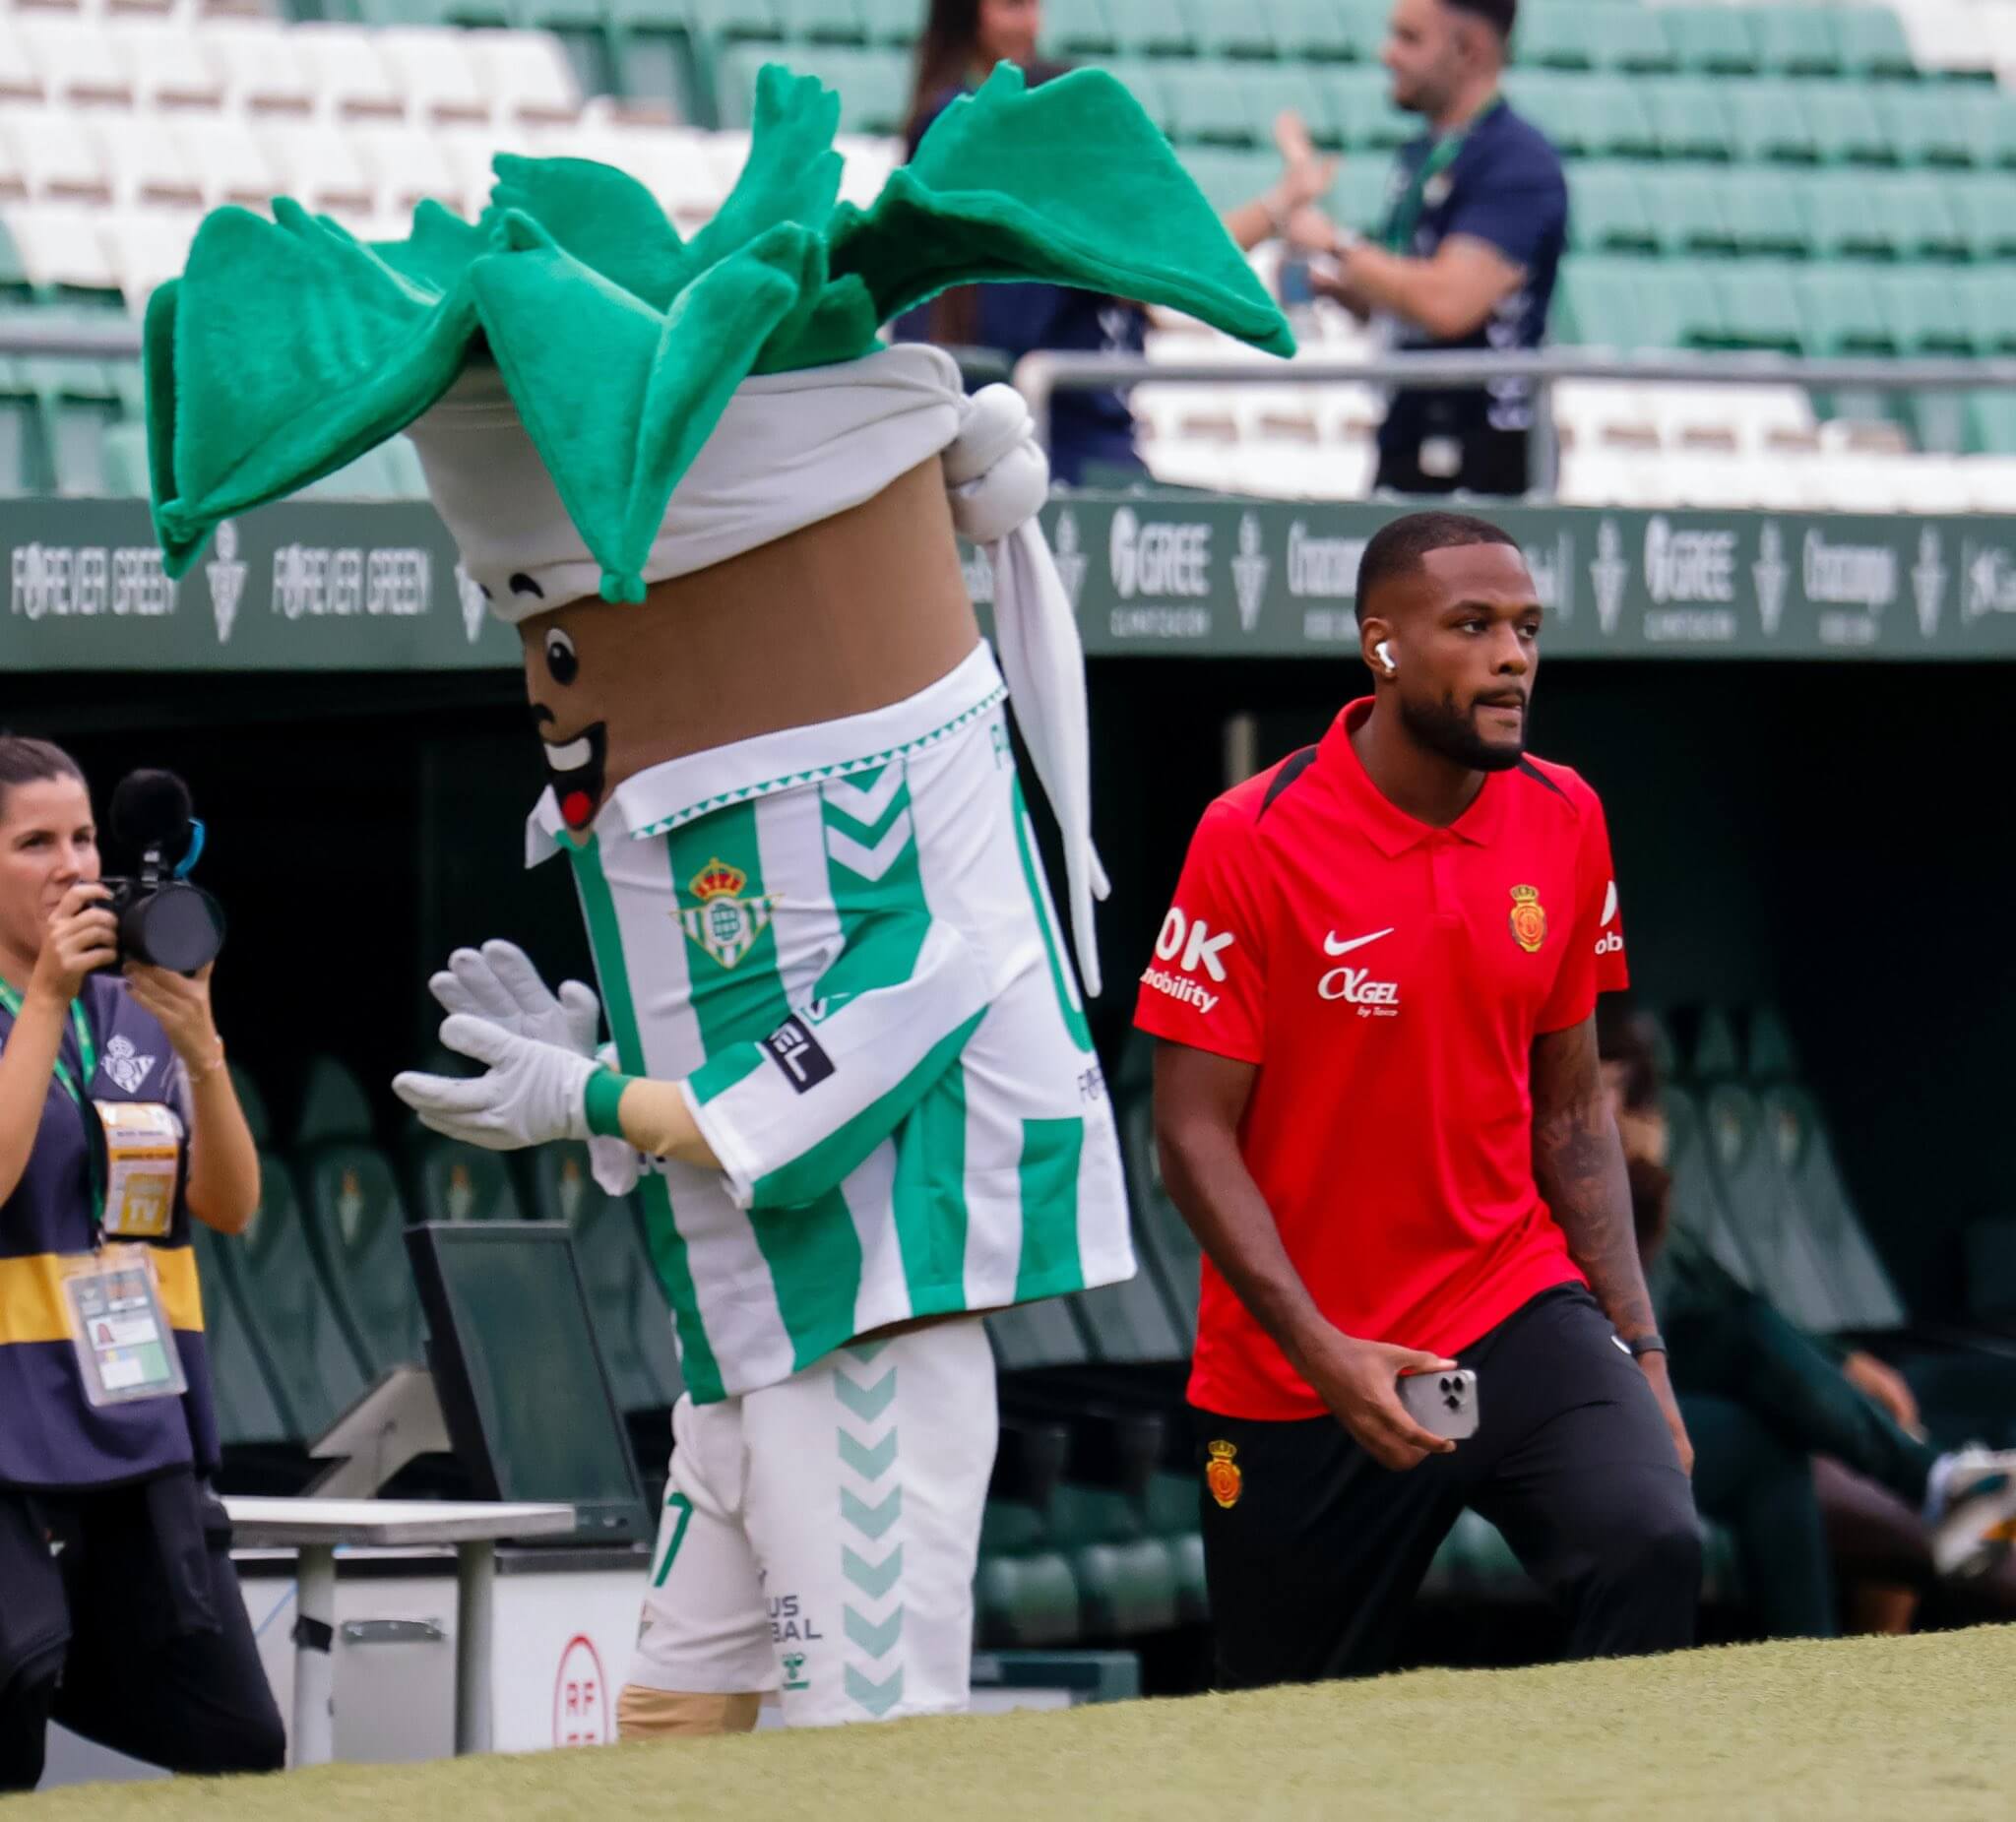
[
  {"x": 78, "y": 407},
  {"x": 1984, "y": 209},
  {"x": 249, "y": 1412},
  {"x": 873, "y": 87},
  {"x": 1860, "y": 1286},
  {"x": 1167, "y": 1247},
  {"x": 1923, "y": 126},
  {"x": 478, "y": 15},
  {"x": 1989, "y": 300},
  {"x": 1595, "y": 34},
  {"x": 1765, "y": 214},
  {"x": 1128, "y": 1324},
  {"x": 1025, "y": 1601},
  {"x": 1363, "y": 108},
  {"x": 1075, "y": 32},
  {"x": 736, "y": 21},
  {"x": 1609, "y": 212},
  {"x": 1597, "y": 305},
  {"x": 1204, "y": 106},
  {"x": 1920, "y": 204},
  {"x": 1686, "y": 114},
  {"x": 355, "y": 1218},
  {"x": 1991, "y": 123},
  {"x": 448, "y": 1181},
  {"x": 1697, "y": 1205},
  {"x": 1769, "y": 1051},
  {"x": 1153, "y": 27},
  {"x": 1847, "y": 129},
  {"x": 1767, "y": 122},
  {"x": 1926, "y": 311},
  {"x": 1684, "y": 206},
  {"x": 1592, "y": 115},
  {"x": 125, "y": 461},
  {"x": 307, "y": 1348},
  {"x": 1032, "y": 1336},
  {"x": 1872, "y": 40},
  {"x": 1766, "y": 1221},
  {"x": 1229, "y": 177},
  {"x": 826, "y": 22},
  {"x": 1991, "y": 424},
  {"x": 896, "y": 22},
  {"x": 24, "y": 437},
  {"x": 1760, "y": 309},
  {"x": 1357, "y": 199},
  {"x": 1312, "y": 31},
  {"x": 591, "y": 32},
  {"x": 1711, "y": 40},
  {"x": 1714, "y": 1054},
  {"x": 1268, "y": 89},
  {"x": 1796, "y": 41},
  {"x": 1841, "y": 313},
  {"x": 1365, "y": 25},
  {"x": 1241, "y": 32},
  {"x": 1143, "y": 82},
  {"x": 1126, "y": 1590},
  {"x": 1846, "y": 217}
]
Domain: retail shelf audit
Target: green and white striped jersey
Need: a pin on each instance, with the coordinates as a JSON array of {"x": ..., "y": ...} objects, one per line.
[{"x": 840, "y": 939}]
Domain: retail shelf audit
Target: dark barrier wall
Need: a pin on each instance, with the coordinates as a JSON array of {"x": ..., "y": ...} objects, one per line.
[{"x": 1830, "y": 837}]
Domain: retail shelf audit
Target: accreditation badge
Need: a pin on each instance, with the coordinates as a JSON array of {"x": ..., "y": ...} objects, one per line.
[
  {"x": 125, "y": 1348},
  {"x": 143, "y": 1161}
]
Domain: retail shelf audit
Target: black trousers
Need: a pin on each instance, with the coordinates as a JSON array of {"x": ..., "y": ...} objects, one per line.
[
  {"x": 132, "y": 1633},
  {"x": 1490, "y": 461},
  {"x": 1313, "y": 1566}
]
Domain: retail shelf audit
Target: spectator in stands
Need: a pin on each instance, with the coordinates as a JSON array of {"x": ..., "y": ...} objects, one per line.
[
  {"x": 1092, "y": 433},
  {"x": 120, "y": 1614},
  {"x": 1467, "y": 252},
  {"x": 1378, "y": 1104},
  {"x": 1800, "y": 1396}
]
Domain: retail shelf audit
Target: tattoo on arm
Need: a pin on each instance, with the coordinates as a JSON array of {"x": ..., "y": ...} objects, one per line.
[{"x": 1578, "y": 1161}]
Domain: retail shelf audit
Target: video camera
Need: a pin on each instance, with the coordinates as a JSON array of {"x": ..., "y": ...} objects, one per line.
[{"x": 163, "y": 918}]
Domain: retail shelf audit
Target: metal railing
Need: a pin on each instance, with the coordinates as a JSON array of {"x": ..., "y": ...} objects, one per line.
[{"x": 1039, "y": 376}]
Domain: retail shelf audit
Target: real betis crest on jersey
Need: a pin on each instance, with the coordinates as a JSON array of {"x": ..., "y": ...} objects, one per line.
[{"x": 725, "y": 923}]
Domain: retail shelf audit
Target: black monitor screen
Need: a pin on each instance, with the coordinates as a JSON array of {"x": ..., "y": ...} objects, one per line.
[{"x": 515, "y": 1361}]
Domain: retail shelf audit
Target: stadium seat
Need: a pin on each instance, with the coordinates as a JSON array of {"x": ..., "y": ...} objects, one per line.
[
  {"x": 1363, "y": 108},
  {"x": 1859, "y": 1285},
  {"x": 1228, "y": 177},
  {"x": 144, "y": 166},
  {"x": 1989, "y": 300},
  {"x": 1992, "y": 122},
  {"x": 1872, "y": 40},
  {"x": 1025, "y": 1600},
  {"x": 1711, "y": 40},
  {"x": 78, "y": 61},
  {"x": 1686, "y": 116},
  {"x": 826, "y": 22},
  {"x": 125, "y": 461},
  {"x": 306, "y": 1349},
  {"x": 261, "y": 67},
  {"x": 349, "y": 77},
  {"x": 1593, "y": 34},
  {"x": 319, "y": 164},
  {"x": 1847, "y": 129},
  {"x": 1611, "y": 212},
  {"x": 406, "y": 164},
  {"x": 78, "y": 405},
  {"x": 64, "y": 252},
  {"x": 249, "y": 1412},
  {"x": 1358, "y": 198},
  {"x": 1759, "y": 307},
  {"x": 1313, "y": 32},
  {"x": 738, "y": 21},
  {"x": 1697, "y": 1208},
  {"x": 1767, "y": 122},
  {"x": 609, "y": 46},
  {"x": 1925, "y": 127},
  {"x": 1770, "y": 1054},
  {"x": 1151, "y": 27},
  {"x": 230, "y": 158},
  {"x": 57, "y": 157},
  {"x": 435, "y": 71},
  {"x": 1764, "y": 213},
  {"x": 1985, "y": 210},
  {"x": 447, "y": 1181},
  {"x": 1204, "y": 104},
  {"x": 1796, "y": 41},
  {"x": 1926, "y": 312},
  {"x": 1766, "y": 1221},
  {"x": 524, "y": 75},
  {"x": 1269, "y": 88},
  {"x": 1920, "y": 206},
  {"x": 1845, "y": 217},
  {"x": 172, "y": 66},
  {"x": 1239, "y": 33},
  {"x": 1686, "y": 206}
]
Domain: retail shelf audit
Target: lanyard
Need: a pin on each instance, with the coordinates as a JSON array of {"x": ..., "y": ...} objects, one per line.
[
  {"x": 1407, "y": 207},
  {"x": 88, "y": 1057}
]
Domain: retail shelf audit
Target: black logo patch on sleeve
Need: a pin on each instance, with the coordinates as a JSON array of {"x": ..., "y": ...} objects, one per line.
[{"x": 795, "y": 1050}]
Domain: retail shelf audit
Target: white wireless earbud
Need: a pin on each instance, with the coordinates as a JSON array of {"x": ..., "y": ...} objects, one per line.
[{"x": 1383, "y": 652}]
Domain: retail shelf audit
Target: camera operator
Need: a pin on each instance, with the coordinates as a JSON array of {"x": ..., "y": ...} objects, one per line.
[{"x": 120, "y": 1614}]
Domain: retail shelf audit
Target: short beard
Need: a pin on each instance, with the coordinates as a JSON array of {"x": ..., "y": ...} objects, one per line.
[{"x": 1446, "y": 731}]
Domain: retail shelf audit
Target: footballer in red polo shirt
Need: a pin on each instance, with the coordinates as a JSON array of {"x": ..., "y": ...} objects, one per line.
[{"x": 1378, "y": 1104}]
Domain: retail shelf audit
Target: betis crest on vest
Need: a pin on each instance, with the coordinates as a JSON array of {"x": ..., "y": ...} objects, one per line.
[
  {"x": 1529, "y": 918},
  {"x": 1223, "y": 1475},
  {"x": 725, "y": 923}
]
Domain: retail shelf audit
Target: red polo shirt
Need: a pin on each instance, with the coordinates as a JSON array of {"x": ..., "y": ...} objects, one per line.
[{"x": 1389, "y": 980}]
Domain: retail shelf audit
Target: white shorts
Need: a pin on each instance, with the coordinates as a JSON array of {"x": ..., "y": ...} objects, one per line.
[{"x": 819, "y": 1536}]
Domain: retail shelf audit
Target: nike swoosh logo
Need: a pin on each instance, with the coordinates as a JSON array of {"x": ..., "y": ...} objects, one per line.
[{"x": 1331, "y": 946}]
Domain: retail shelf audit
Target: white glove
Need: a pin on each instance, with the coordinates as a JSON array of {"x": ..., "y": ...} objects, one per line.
[
  {"x": 615, "y": 1163},
  {"x": 533, "y": 1092},
  {"x": 499, "y": 982}
]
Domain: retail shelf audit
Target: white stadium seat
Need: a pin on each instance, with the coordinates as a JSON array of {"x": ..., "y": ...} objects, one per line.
[
  {"x": 145, "y": 163},
  {"x": 468, "y": 150},
  {"x": 350, "y": 78},
  {"x": 435, "y": 73},
  {"x": 20, "y": 79},
  {"x": 62, "y": 244},
  {"x": 170, "y": 66},
  {"x": 56, "y": 157},
  {"x": 527, "y": 76},
  {"x": 229, "y": 159},
  {"x": 262, "y": 69},
  {"x": 406, "y": 164},
  {"x": 317, "y": 163},
  {"x": 79, "y": 64},
  {"x": 147, "y": 246}
]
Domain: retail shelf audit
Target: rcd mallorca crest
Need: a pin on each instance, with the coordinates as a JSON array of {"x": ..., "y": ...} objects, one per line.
[
  {"x": 725, "y": 923},
  {"x": 1222, "y": 1476},
  {"x": 1529, "y": 918}
]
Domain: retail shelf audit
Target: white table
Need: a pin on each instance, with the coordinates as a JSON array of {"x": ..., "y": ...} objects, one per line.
[{"x": 317, "y": 1527}]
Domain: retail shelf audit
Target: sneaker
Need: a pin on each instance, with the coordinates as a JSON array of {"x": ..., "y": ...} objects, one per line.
[{"x": 1971, "y": 1510}]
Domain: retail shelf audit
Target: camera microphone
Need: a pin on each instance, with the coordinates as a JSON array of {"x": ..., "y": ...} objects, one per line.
[{"x": 152, "y": 810}]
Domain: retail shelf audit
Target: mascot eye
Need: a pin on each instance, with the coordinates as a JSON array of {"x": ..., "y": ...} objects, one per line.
[{"x": 561, "y": 663}]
